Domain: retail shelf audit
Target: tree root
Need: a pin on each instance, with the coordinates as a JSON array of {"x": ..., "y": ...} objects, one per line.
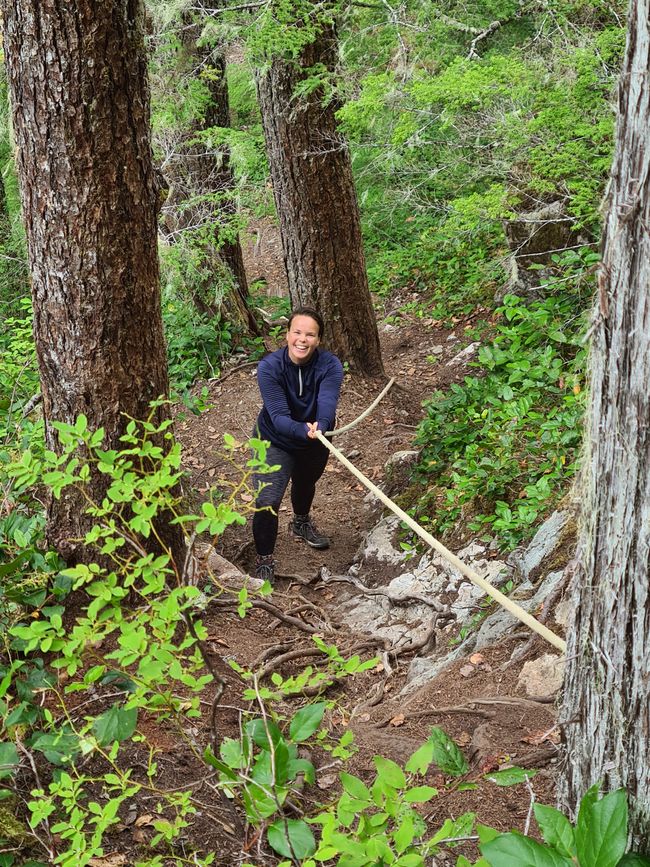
[{"x": 393, "y": 598}]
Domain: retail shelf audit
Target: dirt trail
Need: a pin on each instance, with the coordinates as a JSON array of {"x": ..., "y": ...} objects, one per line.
[{"x": 492, "y": 734}]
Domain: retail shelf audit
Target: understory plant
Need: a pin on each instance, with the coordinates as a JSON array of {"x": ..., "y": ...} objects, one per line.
[{"x": 500, "y": 448}]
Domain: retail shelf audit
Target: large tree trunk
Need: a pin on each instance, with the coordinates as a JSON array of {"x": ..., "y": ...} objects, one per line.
[
  {"x": 196, "y": 173},
  {"x": 78, "y": 82},
  {"x": 607, "y": 696},
  {"x": 317, "y": 206}
]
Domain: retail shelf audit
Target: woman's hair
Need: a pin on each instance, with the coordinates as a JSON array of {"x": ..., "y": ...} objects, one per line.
[{"x": 312, "y": 313}]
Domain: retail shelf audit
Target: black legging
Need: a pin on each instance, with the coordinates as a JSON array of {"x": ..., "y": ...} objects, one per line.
[{"x": 304, "y": 467}]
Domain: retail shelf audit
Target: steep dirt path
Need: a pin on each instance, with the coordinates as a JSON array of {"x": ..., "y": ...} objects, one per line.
[{"x": 422, "y": 357}]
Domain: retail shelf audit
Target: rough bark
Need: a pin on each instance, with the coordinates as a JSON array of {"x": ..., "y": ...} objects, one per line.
[
  {"x": 78, "y": 84},
  {"x": 196, "y": 173},
  {"x": 607, "y": 696},
  {"x": 317, "y": 207}
]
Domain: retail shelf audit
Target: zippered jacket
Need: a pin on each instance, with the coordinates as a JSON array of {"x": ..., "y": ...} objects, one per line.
[{"x": 295, "y": 394}]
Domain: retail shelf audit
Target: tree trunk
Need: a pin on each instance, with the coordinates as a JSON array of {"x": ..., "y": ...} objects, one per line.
[
  {"x": 317, "y": 206},
  {"x": 200, "y": 171},
  {"x": 607, "y": 686},
  {"x": 78, "y": 82}
]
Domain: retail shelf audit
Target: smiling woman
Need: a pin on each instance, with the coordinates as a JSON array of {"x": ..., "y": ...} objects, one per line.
[{"x": 300, "y": 386}]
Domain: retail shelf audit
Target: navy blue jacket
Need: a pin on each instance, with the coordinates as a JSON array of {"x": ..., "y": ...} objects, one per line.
[{"x": 294, "y": 394}]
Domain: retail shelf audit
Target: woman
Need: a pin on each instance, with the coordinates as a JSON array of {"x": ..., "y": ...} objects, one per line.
[{"x": 300, "y": 386}]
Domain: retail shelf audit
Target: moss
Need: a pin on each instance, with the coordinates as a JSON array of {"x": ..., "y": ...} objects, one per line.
[{"x": 12, "y": 829}]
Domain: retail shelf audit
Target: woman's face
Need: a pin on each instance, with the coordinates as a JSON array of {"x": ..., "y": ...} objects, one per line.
[{"x": 302, "y": 338}]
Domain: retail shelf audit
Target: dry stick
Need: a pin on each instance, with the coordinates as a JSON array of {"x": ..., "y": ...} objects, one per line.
[{"x": 473, "y": 576}]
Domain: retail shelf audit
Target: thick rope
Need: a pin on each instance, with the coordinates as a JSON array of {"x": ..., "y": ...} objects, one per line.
[
  {"x": 347, "y": 427},
  {"x": 473, "y": 576}
]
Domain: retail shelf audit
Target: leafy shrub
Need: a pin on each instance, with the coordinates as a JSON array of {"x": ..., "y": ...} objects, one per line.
[{"x": 501, "y": 447}]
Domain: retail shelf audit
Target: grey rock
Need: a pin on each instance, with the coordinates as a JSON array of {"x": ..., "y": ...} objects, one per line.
[
  {"x": 542, "y": 546},
  {"x": 542, "y": 676},
  {"x": 378, "y": 544},
  {"x": 464, "y": 355}
]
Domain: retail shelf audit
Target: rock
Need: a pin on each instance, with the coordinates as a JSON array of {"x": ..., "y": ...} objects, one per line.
[
  {"x": 424, "y": 669},
  {"x": 436, "y": 350},
  {"x": 542, "y": 676},
  {"x": 464, "y": 355},
  {"x": 550, "y": 536},
  {"x": 563, "y": 613},
  {"x": 397, "y": 471},
  {"x": 225, "y": 572},
  {"x": 497, "y": 624},
  {"x": 378, "y": 544}
]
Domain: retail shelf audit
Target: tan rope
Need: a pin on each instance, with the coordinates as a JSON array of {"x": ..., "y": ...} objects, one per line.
[
  {"x": 347, "y": 427},
  {"x": 473, "y": 576}
]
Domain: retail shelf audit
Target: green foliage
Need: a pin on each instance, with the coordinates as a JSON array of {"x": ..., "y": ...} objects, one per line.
[
  {"x": 599, "y": 838},
  {"x": 137, "y": 632},
  {"x": 527, "y": 113},
  {"x": 481, "y": 454}
]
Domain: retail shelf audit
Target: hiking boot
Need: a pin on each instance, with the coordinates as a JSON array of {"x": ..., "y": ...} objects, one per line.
[
  {"x": 265, "y": 568},
  {"x": 303, "y": 527}
]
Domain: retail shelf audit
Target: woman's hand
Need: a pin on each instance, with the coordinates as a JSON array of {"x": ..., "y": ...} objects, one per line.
[{"x": 312, "y": 429}]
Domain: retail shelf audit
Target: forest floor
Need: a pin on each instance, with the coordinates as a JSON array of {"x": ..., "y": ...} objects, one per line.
[{"x": 502, "y": 728}]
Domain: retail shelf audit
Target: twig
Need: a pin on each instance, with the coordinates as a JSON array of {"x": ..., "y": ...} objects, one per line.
[
  {"x": 530, "y": 806},
  {"x": 219, "y": 379}
]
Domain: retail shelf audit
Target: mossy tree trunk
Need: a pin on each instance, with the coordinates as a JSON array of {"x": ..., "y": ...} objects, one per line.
[
  {"x": 78, "y": 84},
  {"x": 607, "y": 688},
  {"x": 203, "y": 184},
  {"x": 317, "y": 207}
]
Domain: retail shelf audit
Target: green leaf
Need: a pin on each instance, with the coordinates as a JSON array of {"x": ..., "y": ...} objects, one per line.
[
  {"x": 405, "y": 834},
  {"x": 306, "y": 721},
  {"x": 633, "y": 860},
  {"x": 58, "y": 748},
  {"x": 420, "y": 794},
  {"x": 8, "y": 758},
  {"x": 355, "y": 787},
  {"x": 556, "y": 829},
  {"x": 446, "y": 754},
  {"x": 257, "y": 729},
  {"x": 421, "y": 759},
  {"x": 515, "y": 850},
  {"x": 14, "y": 565},
  {"x": 601, "y": 830},
  {"x": 116, "y": 724},
  {"x": 389, "y": 772},
  {"x": 291, "y": 838},
  {"x": 412, "y": 859},
  {"x": 510, "y": 776}
]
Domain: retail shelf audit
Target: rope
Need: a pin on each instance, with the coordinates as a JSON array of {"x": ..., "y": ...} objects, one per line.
[
  {"x": 473, "y": 576},
  {"x": 347, "y": 427}
]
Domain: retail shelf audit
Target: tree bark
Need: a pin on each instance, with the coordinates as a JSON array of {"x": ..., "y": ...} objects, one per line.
[
  {"x": 78, "y": 83},
  {"x": 196, "y": 173},
  {"x": 315, "y": 198},
  {"x": 607, "y": 686}
]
